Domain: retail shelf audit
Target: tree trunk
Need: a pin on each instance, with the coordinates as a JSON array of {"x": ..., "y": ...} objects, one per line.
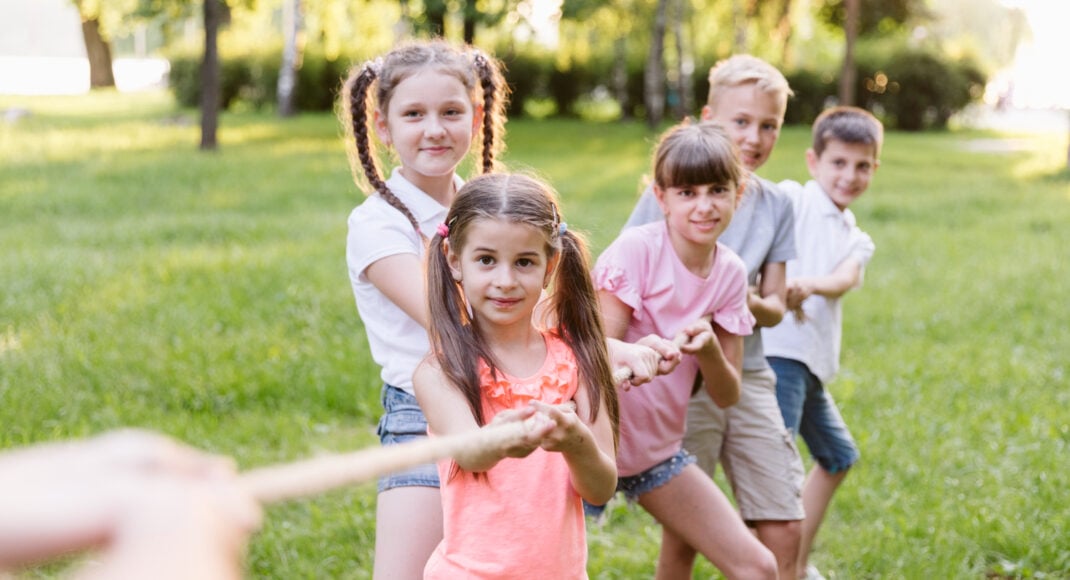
[
  {"x": 210, "y": 85},
  {"x": 783, "y": 32},
  {"x": 685, "y": 63},
  {"x": 620, "y": 76},
  {"x": 654, "y": 76},
  {"x": 98, "y": 51},
  {"x": 739, "y": 25},
  {"x": 849, "y": 74},
  {"x": 471, "y": 14},
  {"x": 291, "y": 27}
]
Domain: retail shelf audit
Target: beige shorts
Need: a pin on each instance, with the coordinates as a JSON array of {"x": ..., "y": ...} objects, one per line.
[{"x": 759, "y": 456}]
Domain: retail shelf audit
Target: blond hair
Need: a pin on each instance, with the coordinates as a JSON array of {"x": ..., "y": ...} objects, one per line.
[{"x": 741, "y": 69}]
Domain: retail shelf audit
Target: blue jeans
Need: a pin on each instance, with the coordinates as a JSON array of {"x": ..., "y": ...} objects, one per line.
[
  {"x": 404, "y": 421},
  {"x": 809, "y": 411},
  {"x": 634, "y": 486}
]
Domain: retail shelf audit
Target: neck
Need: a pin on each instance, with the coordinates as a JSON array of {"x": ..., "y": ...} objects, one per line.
[
  {"x": 697, "y": 258},
  {"x": 438, "y": 187}
]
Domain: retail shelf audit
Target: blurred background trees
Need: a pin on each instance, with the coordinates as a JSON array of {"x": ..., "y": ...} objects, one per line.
[{"x": 913, "y": 62}]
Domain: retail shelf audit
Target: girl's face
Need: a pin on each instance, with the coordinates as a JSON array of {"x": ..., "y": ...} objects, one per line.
[
  {"x": 429, "y": 122},
  {"x": 699, "y": 213},
  {"x": 503, "y": 268}
]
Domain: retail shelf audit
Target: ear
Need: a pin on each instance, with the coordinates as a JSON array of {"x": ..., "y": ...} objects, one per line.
[
  {"x": 659, "y": 195},
  {"x": 811, "y": 162},
  {"x": 477, "y": 118},
  {"x": 452, "y": 260},
  {"x": 707, "y": 113},
  {"x": 551, "y": 266},
  {"x": 741, "y": 189},
  {"x": 382, "y": 130}
]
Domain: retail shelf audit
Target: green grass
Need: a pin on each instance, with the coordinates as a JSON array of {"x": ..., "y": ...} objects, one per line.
[{"x": 205, "y": 295}]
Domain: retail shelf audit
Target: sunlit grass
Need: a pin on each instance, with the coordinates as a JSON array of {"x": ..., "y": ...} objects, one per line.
[{"x": 145, "y": 283}]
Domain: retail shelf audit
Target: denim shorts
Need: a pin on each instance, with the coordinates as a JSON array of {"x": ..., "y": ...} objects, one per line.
[
  {"x": 809, "y": 410},
  {"x": 634, "y": 486},
  {"x": 404, "y": 421}
]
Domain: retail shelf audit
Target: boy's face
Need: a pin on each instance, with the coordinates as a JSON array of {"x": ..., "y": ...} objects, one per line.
[
  {"x": 843, "y": 170},
  {"x": 752, "y": 118}
]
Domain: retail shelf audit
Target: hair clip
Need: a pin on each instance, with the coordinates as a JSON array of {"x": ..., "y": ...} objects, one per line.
[
  {"x": 443, "y": 230},
  {"x": 561, "y": 229}
]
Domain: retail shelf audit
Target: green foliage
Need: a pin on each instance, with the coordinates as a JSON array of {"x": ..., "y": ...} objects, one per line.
[
  {"x": 205, "y": 296},
  {"x": 253, "y": 79},
  {"x": 876, "y": 17}
]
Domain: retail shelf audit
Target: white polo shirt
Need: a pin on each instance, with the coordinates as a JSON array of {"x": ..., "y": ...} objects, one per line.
[
  {"x": 378, "y": 230},
  {"x": 824, "y": 237}
]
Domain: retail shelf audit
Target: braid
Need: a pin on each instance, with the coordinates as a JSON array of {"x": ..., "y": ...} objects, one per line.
[
  {"x": 357, "y": 87},
  {"x": 494, "y": 91}
]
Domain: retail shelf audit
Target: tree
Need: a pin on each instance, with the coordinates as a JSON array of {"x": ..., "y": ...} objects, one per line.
[
  {"x": 849, "y": 72},
  {"x": 97, "y": 48},
  {"x": 214, "y": 16},
  {"x": 291, "y": 55},
  {"x": 654, "y": 75}
]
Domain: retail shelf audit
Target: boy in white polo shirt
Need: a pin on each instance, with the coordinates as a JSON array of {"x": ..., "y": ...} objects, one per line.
[{"x": 832, "y": 252}]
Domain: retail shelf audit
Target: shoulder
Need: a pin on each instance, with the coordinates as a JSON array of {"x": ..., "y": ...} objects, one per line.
[
  {"x": 427, "y": 374},
  {"x": 640, "y": 239},
  {"x": 730, "y": 264}
]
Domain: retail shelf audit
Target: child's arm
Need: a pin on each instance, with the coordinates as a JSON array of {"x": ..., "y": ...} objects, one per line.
[
  {"x": 768, "y": 301},
  {"x": 393, "y": 276},
  {"x": 720, "y": 359},
  {"x": 448, "y": 413},
  {"x": 588, "y": 449},
  {"x": 844, "y": 277}
]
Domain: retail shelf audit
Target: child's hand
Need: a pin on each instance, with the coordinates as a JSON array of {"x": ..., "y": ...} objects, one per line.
[
  {"x": 798, "y": 291},
  {"x": 536, "y": 427},
  {"x": 697, "y": 337},
  {"x": 668, "y": 352},
  {"x": 568, "y": 433}
]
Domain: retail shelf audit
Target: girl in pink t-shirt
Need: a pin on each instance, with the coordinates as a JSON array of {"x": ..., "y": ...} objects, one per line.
[
  {"x": 672, "y": 278},
  {"x": 510, "y": 512}
]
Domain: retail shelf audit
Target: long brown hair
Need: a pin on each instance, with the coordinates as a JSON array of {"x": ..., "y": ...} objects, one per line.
[{"x": 456, "y": 340}]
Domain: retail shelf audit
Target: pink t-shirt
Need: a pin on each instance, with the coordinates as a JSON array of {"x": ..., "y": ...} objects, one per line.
[
  {"x": 643, "y": 271},
  {"x": 521, "y": 518}
]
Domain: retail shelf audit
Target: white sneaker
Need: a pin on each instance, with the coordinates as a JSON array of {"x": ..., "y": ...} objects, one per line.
[{"x": 812, "y": 573}]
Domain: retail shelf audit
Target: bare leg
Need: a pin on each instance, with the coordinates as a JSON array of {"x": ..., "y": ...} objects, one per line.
[
  {"x": 782, "y": 538},
  {"x": 695, "y": 510},
  {"x": 408, "y": 527},
  {"x": 817, "y": 494},
  {"x": 676, "y": 558}
]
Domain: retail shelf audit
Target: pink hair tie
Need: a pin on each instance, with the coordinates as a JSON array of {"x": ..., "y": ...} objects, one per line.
[{"x": 443, "y": 230}]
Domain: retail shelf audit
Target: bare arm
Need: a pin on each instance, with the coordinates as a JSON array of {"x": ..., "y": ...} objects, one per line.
[
  {"x": 587, "y": 448},
  {"x": 448, "y": 413},
  {"x": 844, "y": 277},
  {"x": 394, "y": 276},
  {"x": 768, "y": 301}
]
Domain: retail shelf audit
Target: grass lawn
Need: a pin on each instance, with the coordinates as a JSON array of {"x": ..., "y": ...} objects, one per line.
[{"x": 143, "y": 283}]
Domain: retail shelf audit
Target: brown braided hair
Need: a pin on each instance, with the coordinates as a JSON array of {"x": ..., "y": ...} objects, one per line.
[{"x": 480, "y": 74}]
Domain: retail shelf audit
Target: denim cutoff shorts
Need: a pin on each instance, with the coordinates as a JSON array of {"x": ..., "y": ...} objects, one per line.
[
  {"x": 403, "y": 421},
  {"x": 634, "y": 486},
  {"x": 810, "y": 411}
]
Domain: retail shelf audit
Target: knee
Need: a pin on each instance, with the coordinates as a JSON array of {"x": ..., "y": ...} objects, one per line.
[{"x": 757, "y": 562}]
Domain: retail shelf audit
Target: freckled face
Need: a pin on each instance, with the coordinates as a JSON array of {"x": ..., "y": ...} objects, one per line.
[
  {"x": 430, "y": 122},
  {"x": 752, "y": 118},
  {"x": 503, "y": 268}
]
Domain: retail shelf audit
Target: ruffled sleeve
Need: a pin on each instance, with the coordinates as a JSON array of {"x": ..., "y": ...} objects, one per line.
[{"x": 619, "y": 270}]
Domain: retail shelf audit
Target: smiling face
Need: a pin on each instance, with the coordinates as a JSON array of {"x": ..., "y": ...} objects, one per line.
[
  {"x": 752, "y": 118},
  {"x": 698, "y": 214},
  {"x": 503, "y": 267},
  {"x": 429, "y": 121},
  {"x": 843, "y": 170}
]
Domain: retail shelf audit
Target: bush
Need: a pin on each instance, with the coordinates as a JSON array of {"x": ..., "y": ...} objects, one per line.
[
  {"x": 918, "y": 89},
  {"x": 813, "y": 91}
]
